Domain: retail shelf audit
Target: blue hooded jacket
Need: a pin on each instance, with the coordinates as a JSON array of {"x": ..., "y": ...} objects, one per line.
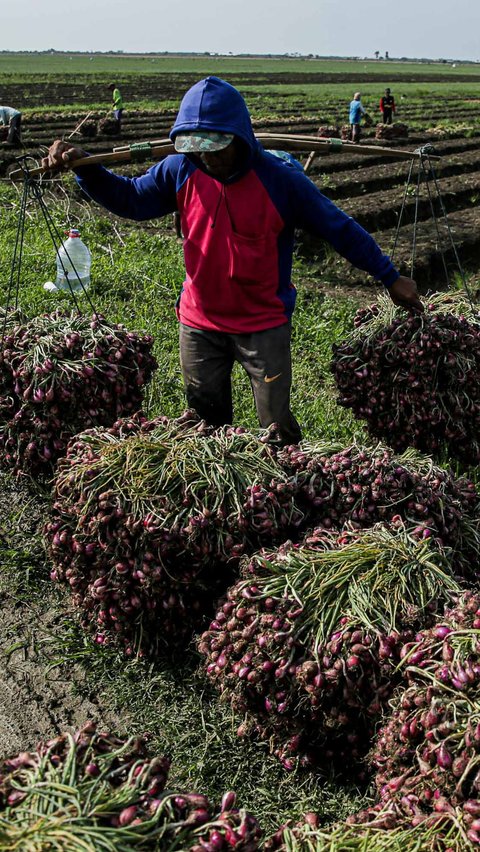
[
  {"x": 213, "y": 104},
  {"x": 238, "y": 233}
]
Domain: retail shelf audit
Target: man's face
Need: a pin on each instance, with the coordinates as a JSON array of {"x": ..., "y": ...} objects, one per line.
[{"x": 221, "y": 164}]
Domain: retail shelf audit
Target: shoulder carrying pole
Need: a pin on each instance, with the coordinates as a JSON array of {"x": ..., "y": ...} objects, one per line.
[{"x": 160, "y": 148}]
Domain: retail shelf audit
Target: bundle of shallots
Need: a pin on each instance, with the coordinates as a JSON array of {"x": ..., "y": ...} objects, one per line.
[
  {"x": 362, "y": 486},
  {"x": 427, "y": 753},
  {"x": 61, "y": 373},
  {"x": 383, "y": 831},
  {"x": 415, "y": 378},
  {"x": 306, "y": 648},
  {"x": 150, "y": 517}
]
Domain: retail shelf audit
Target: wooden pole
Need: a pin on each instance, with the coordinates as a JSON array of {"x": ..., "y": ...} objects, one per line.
[
  {"x": 157, "y": 152},
  {"x": 161, "y": 148},
  {"x": 79, "y": 125},
  {"x": 309, "y": 161}
]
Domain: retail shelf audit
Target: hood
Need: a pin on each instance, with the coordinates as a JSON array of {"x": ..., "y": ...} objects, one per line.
[{"x": 213, "y": 104}]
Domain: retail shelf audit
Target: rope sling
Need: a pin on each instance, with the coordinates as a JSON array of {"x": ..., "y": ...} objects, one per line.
[
  {"x": 34, "y": 190},
  {"x": 426, "y": 175}
]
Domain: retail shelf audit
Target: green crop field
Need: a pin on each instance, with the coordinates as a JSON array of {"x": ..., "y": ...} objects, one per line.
[
  {"x": 79, "y": 80},
  {"x": 97, "y": 63}
]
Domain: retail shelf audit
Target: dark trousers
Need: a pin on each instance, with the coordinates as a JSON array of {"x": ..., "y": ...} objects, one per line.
[
  {"x": 207, "y": 359},
  {"x": 14, "y": 136},
  {"x": 355, "y": 132},
  {"x": 387, "y": 115}
]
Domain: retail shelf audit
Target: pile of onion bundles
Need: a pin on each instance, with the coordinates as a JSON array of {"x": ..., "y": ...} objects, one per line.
[
  {"x": 94, "y": 790},
  {"x": 415, "y": 379},
  {"x": 61, "y": 373},
  {"x": 307, "y": 647},
  {"x": 150, "y": 516}
]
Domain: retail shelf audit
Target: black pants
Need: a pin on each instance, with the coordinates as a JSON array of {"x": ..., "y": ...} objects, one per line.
[
  {"x": 207, "y": 359},
  {"x": 14, "y": 136},
  {"x": 387, "y": 116}
]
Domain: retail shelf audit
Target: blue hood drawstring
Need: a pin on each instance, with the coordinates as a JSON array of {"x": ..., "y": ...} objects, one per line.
[{"x": 223, "y": 194}]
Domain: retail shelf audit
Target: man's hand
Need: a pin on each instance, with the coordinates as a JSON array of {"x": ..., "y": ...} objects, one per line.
[
  {"x": 403, "y": 292},
  {"x": 61, "y": 155}
]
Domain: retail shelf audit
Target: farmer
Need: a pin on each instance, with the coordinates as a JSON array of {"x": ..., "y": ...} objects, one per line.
[
  {"x": 387, "y": 106},
  {"x": 12, "y": 119},
  {"x": 357, "y": 111},
  {"x": 239, "y": 207},
  {"x": 117, "y": 105}
]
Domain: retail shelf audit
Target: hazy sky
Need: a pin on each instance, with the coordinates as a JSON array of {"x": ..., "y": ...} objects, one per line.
[{"x": 429, "y": 28}]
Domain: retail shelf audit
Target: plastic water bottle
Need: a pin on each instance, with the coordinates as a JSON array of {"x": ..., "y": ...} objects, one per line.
[{"x": 73, "y": 265}]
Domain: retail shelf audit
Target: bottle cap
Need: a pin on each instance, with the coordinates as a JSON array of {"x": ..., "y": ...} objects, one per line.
[{"x": 73, "y": 232}]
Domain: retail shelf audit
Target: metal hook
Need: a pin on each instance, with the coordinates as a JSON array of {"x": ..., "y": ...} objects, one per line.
[{"x": 426, "y": 151}]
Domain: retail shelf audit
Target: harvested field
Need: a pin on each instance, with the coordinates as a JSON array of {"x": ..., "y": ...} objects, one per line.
[{"x": 53, "y": 674}]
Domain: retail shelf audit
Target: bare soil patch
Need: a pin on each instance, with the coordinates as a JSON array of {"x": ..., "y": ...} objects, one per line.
[{"x": 37, "y": 701}]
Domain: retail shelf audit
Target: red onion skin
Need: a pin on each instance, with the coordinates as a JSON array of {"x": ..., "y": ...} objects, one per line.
[
  {"x": 228, "y": 801},
  {"x": 441, "y": 630},
  {"x": 127, "y": 815}
]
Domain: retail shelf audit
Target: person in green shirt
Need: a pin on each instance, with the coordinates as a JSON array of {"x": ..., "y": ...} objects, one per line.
[{"x": 117, "y": 104}]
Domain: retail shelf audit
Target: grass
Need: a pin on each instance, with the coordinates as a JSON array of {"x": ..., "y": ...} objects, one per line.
[
  {"x": 184, "y": 718},
  {"x": 166, "y": 699}
]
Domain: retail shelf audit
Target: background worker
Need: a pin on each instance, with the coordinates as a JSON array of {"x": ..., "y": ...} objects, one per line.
[
  {"x": 11, "y": 118},
  {"x": 387, "y": 106},
  {"x": 357, "y": 111},
  {"x": 117, "y": 105},
  {"x": 239, "y": 206}
]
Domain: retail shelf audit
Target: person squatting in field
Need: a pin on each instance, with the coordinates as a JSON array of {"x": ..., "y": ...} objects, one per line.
[
  {"x": 11, "y": 119},
  {"x": 239, "y": 206}
]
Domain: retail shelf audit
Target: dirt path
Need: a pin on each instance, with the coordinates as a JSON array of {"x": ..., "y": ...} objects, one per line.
[{"x": 37, "y": 701}]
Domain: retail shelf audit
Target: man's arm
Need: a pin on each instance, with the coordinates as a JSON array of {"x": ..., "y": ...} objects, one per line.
[
  {"x": 147, "y": 197},
  {"x": 317, "y": 214}
]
